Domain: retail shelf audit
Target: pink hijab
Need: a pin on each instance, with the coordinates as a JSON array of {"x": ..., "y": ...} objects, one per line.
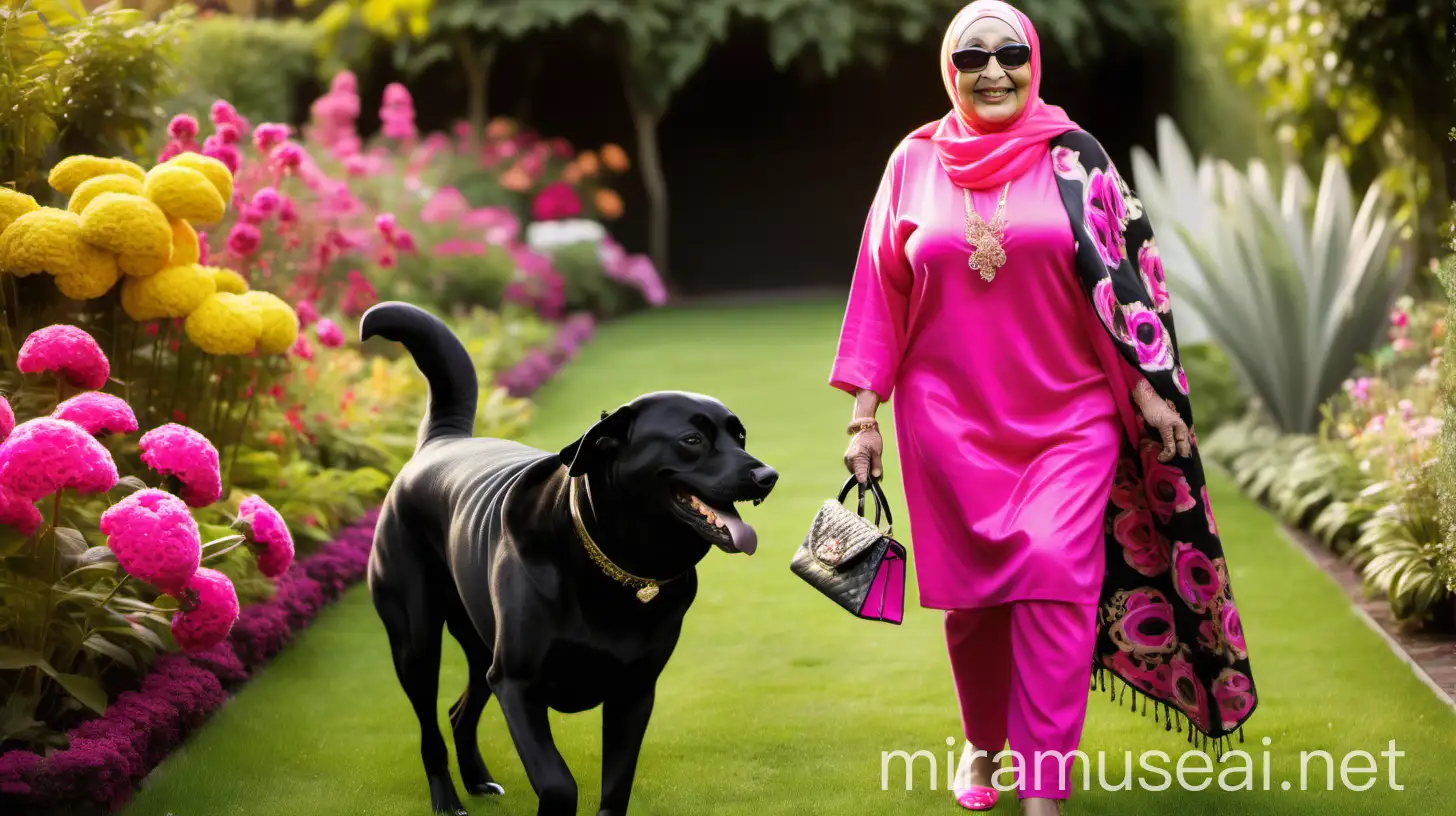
[{"x": 979, "y": 159}]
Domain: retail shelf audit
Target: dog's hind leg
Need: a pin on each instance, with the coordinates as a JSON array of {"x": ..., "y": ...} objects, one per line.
[
  {"x": 415, "y": 620},
  {"x": 465, "y": 713}
]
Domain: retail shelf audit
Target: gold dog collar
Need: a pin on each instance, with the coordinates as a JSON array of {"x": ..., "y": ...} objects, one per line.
[{"x": 647, "y": 588}]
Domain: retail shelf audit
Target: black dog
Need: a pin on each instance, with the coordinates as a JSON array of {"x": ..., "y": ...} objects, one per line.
[{"x": 564, "y": 576}]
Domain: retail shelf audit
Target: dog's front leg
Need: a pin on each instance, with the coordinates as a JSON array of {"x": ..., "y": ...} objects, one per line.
[
  {"x": 624, "y": 724},
  {"x": 526, "y": 719}
]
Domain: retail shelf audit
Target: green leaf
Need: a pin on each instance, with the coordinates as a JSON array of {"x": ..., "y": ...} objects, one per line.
[
  {"x": 100, "y": 645},
  {"x": 85, "y": 689},
  {"x": 70, "y": 542},
  {"x": 128, "y": 485},
  {"x": 12, "y": 657},
  {"x": 139, "y": 633}
]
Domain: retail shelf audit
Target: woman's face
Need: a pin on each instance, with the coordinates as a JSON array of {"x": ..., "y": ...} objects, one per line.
[{"x": 994, "y": 95}]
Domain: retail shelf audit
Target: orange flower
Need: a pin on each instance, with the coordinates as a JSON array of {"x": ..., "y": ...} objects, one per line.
[
  {"x": 609, "y": 204},
  {"x": 500, "y": 128},
  {"x": 615, "y": 158},
  {"x": 275, "y": 439},
  {"x": 588, "y": 163},
  {"x": 571, "y": 174},
  {"x": 516, "y": 179}
]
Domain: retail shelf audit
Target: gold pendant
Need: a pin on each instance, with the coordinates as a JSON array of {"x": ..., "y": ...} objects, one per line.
[
  {"x": 647, "y": 593},
  {"x": 988, "y": 255}
]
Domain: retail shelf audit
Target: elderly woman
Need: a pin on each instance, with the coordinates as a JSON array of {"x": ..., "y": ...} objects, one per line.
[{"x": 1008, "y": 293}]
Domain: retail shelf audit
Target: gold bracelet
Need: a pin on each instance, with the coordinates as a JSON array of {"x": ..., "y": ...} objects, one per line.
[{"x": 857, "y": 426}]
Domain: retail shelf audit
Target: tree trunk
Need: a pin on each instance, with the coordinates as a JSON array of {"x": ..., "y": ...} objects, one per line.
[
  {"x": 645, "y": 119},
  {"x": 476, "y": 66}
]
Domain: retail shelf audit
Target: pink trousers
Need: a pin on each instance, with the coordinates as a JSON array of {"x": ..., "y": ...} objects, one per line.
[{"x": 1021, "y": 672}]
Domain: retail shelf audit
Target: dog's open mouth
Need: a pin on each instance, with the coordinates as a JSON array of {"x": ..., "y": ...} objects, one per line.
[{"x": 719, "y": 524}]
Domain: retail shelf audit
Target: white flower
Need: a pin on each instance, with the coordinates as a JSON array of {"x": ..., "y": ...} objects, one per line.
[{"x": 547, "y": 235}]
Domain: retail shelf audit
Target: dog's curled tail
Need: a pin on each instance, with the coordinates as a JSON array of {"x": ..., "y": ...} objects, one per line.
[{"x": 440, "y": 356}]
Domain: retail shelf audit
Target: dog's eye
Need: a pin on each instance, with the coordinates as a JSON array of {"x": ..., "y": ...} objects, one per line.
[{"x": 692, "y": 439}]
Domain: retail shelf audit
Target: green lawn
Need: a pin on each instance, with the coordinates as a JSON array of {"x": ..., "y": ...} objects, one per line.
[{"x": 777, "y": 702}]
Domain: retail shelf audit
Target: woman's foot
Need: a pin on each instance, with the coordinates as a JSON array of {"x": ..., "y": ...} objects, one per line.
[
  {"x": 972, "y": 786},
  {"x": 1041, "y": 807}
]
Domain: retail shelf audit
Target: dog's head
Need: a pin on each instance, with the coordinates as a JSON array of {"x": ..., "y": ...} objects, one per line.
[{"x": 685, "y": 455}]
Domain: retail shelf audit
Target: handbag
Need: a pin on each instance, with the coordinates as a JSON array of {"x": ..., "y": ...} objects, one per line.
[{"x": 851, "y": 562}]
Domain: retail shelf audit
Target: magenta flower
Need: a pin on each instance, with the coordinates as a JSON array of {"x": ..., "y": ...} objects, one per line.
[
  {"x": 288, "y": 213},
  {"x": 307, "y": 312},
  {"x": 7, "y": 419},
  {"x": 269, "y": 135},
  {"x": 287, "y": 156},
  {"x": 270, "y": 535},
  {"x": 1106, "y": 214},
  {"x": 244, "y": 239},
  {"x": 228, "y": 134},
  {"x": 386, "y": 223},
  {"x": 223, "y": 113},
  {"x": 45, "y": 455},
  {"x": 209, "y": 612},
  {"x": 329, "y": 333},
  {"x": 302, "y": 349},
  {"x": 155, "y": 538},
  {"x": 1399, "y": 319},
  {"x": 225, "y": 153},
  {"x": 99, "y": 413},
  {"x": 183, "y": 128},
  {"x": 19, "y": 512},
  {"x": 267, "y": 201},
  {"x": 67, "y": 351},
  {"x": 557, "y": 200},
  {"x": 178, "y": 451}
]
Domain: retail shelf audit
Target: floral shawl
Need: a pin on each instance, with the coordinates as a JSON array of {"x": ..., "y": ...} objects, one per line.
[{"x": 1167, "y": 624}]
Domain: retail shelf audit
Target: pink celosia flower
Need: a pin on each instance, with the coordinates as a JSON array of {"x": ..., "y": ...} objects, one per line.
[
  {"x": 386, "y": 223},
  {"x": 223, "y": 112},
  {"x": 557, "y": 200},
  {"x": 67, "y": 351},
  {"x": 287, "y": 156},
  {"x": 183, "y": 128},
  {"x": 269, "y": 135},
  {"x": 267, "y": 201},
  {"x": 269, "y": 533},
  {"x": 404, "y": 241},
  {"x": 302, "y": 349},
  {"x": 45, "y": 455},
  {"x": 288, "y": 212},
  {"x": 209, "y": 612},
  {"x": 252, "y": 215},
  {"x": 98, "y": 412},
  {"x": 7, "y": 419},
  {"x": 19, "y": 512},
  {"x": 307, "y": 312},
  {"x": 228, "y": 134},
  {"x": 225, "y": 153},
  {"x": 178, "y": 451},
  {"x": 1399, "y": 319},
  {"x": 154, "y": 537},
  {"x": 329, "y": 333},
  {"x": 244, "y": 239}
]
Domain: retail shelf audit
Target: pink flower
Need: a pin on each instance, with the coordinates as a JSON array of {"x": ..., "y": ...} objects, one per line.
[
  {"x": 1168, "y": 489},
  {"x": 288, "y": 213},
  {"x": 307, "y": 312},
  {"x": 228, "y": 134},
  {"x": 557, "y": 200},
  {"x": 288, "y": 156},
  {"x": 155, "y": 538},
  {"x": 244, "y": 239},
  {"x": 386, "y": 223},
  {"x": 1399, "y": 319},
  {"x": 1106, "y": 215},
  {"x": 267, "y": 530},
  {"x": 178, "y": 451},
  {"x": 446, "y": 204},
  {"x": 329, "y": 333},
  {"x": 1154, "y": 346},
  {"x": 211, "y": 609},
  {"x": 223, "y": 113},
  {"x": 19, "y": 512},
  {"x": 269, "y": 136},
  {"x": 404, "y": 241},
  {"x": 1150, "y": 266},
  {"x": 7, "y": 419},
  {"x": 201, "y": 248},
  {"x": 67, "y": 351},
  {"x": 252, "y": 215},
  {"x": 45, "y": 455},
  {"x": 225, "y": 153},
  {"x": 267, "y": 201},
  {"x": 183, "y": 128},
  {"x": 98, "y": 412},
  {"x": 302, "y": 349},
  {"x": 1359, "y": 390}
]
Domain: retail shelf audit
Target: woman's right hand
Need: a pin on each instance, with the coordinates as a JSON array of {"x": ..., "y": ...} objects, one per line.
[{"x": 863, "y": 456}]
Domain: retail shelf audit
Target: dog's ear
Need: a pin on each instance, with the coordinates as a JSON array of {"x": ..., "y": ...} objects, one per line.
[{"x": 601, "y": 440}]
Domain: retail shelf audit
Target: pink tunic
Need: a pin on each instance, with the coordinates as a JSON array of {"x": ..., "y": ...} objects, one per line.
[{"x": 1007, "y": 428}]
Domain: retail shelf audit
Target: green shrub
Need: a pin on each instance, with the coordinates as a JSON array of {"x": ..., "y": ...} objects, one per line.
[
  {"x": 1213, "y": 389},
  {"x": 258, "y": 65},
  {"x": 1446, "y": 475}
]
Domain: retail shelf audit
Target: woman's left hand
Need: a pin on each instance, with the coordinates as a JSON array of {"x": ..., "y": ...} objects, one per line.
[{"x": 1164, "y": 417}]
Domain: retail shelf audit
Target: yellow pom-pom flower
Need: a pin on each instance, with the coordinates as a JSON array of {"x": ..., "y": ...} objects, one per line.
[
  {"x": 94, "y": 274},
  {"x": 87, "y": 190},
  {"x": 69, "y": 172},
  {"x": 215, "y": 171},
  {"x": 184, "y": 193},
  {"x": 176, "y": 291},
  {"x": 227, "y": 280},
  {"x": 131, "y": 226},
  {"x": 44, "y": 240},
  {"x": 186, "y": 249},
  {"x": 225, "y": 324},
  {"x": 280, "y": 322},
  {"x": 13, "y": 205}
]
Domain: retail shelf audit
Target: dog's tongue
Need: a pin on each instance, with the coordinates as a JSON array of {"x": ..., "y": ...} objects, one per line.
[{"x": 745, "y": 540}]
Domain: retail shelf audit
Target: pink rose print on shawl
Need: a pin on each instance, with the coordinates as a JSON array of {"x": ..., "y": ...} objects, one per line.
[
  {"x": 1231, "y": 690},
  {"x": 1067, "y": 163},
  {"x": 1154, "y": 346},
  {"x": 1168, "y": 490},
  {"x": 1195, "y": 577},
  {"x": 1154, "y": 679},
  {"x": 1180, "y": 380},
  {"x": 1233, "y": 629},
  {"x": 1150, "y": 266},
  {"x": 1127, "y": 485},
  {"x": 1141, "y": 622},
  {"x": 1188, "y": 693},
  {"x": 1106, "y": 215},
  {"x": 1142, "y": 547},
  {"x": 1105, "y": 301},
  {"x": 1208, "y": 511}
]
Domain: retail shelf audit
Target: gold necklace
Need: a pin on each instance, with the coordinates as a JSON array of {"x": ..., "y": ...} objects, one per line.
[
  {"x": 989, "y": 255},
  {"x": 647, "y": 588}
]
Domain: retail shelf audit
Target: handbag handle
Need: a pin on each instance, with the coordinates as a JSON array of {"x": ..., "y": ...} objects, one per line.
[{"x": 880, "y": 502}]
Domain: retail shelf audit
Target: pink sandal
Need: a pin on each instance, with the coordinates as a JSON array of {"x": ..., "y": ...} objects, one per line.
[{"x": 978, "y": 798}]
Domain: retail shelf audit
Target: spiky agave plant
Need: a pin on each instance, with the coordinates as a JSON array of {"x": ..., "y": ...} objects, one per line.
[{"x": 1292, "y": 281}]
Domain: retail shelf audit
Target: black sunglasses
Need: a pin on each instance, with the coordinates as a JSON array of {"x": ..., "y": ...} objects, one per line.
[{"x": 973, "y": 59}]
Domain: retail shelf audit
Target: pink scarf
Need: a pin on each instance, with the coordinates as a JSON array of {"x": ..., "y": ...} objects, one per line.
[{"x": 977, "y": 157}]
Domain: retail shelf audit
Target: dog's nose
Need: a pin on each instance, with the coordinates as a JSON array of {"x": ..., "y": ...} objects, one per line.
[{"x": 765, "y": 477}]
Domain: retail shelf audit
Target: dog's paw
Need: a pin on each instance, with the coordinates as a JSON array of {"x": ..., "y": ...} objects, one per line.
[{"x": 487, "y": 789}]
